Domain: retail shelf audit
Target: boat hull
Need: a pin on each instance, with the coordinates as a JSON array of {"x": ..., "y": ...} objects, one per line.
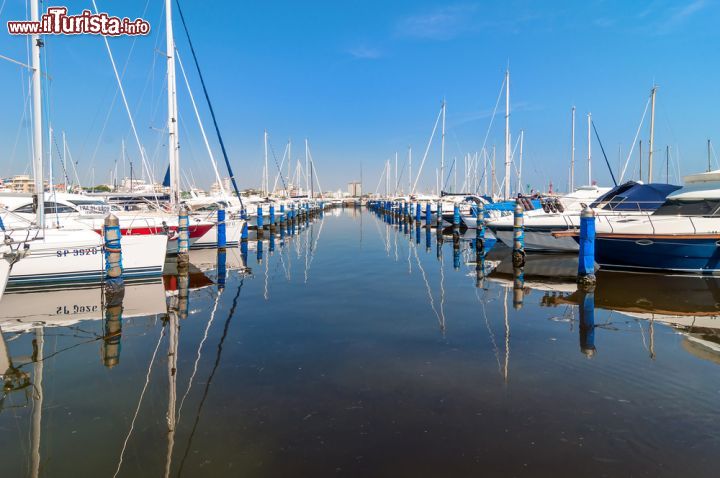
[
  {"x": 682, "y": 254},
  {"x": 65, "y": 258},
  {"x": 538, "y": 240}
]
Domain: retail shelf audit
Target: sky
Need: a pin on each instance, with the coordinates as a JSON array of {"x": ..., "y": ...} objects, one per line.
[{"x": 362, "y": 80}]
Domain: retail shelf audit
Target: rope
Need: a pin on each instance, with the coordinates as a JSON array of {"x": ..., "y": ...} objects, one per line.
[{"x": 212, "y": 111}]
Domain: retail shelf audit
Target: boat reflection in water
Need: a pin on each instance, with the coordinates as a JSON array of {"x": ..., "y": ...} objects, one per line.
[{"x": 688, "y": 304}]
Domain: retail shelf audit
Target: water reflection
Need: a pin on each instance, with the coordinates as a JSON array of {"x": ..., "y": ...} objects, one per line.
[{"x": 355, "y": 347}]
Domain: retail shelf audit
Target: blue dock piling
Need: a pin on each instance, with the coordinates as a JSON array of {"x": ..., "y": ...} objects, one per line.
[
  {"x": 282, "y": 213},
  {"x": 456, "y": 215},
  {"x": 183, "y": 242},
  {"x": 586, "y": 256},
  {"x": 418, "y": 210},
  {"x": 244, "y": 252},
  {"x": 244, "y": 232},
  {"x": 272, "y": 216},
  {"x": 114, "y": 282},
  {"x": 428, "y": 215},
  {"x": 221, "y": 232},
  {"x": 439, "y": 214},
  {"x": 259, "y": 222},
  {"x": 518, "y": 254}
]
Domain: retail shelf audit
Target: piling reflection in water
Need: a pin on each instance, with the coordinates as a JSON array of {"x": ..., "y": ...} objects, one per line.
[{"x": 441, "y": 359}]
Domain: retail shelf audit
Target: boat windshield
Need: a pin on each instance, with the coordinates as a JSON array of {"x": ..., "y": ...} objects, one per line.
[{"x": 697, "y": 207}]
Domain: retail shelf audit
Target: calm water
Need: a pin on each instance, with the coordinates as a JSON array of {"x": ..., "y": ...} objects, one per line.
[{"x": 353, "y": 350}]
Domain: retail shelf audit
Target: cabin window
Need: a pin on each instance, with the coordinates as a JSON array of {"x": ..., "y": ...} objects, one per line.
[
  {"x": 697, "y": 207},
  {"x": 50, "y": 208}
]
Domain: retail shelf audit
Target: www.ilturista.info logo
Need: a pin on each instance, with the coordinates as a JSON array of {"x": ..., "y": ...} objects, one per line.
[{"x": 57, "y": 22}]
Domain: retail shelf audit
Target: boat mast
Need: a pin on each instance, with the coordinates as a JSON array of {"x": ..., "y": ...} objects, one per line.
[
  {"x": 307, "y": 168},
  {"x": 37, "y": 162},
  {"x": 522, "y": 138},
  {"x": 507, "y": 133},
  {"x": 652, "y": 134},
  {"x": 492, "y": 186},
  {"x": 442, "y": 151},
  {"x": 409, "y": 170},
  {"x": 589, "y": 139},
  {"x": 572, "y": 153},
  {"x": 173, "y": 146},
  {"x": 709, "y": 168},
  {"x": 266, "y": 184},
  {"x": 396, "y": 174}
]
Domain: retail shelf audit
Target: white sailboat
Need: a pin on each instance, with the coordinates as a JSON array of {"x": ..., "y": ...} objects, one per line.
[{"x": 74, "y": 252}]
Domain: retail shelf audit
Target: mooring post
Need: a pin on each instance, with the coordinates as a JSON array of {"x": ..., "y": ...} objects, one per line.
[
  {"x": 587, "y": 321},
  {"x": 272, "y": 217},
  {"x": 221, "y": 236},
  {"x": 586, "y": 256},
  {"x": 428, "y": 215},
  {"x": 439, "y": 214},
  {"x": 418, "y": 210},
  {"x": 282, "y": 214},
  {"x": 456, "y": 215},
  {"x": 518, "y": 254},
  {"x": 114, "y": 283},
  {"x": 183, "y": 252},
  {"x": 244, "y": 232}
]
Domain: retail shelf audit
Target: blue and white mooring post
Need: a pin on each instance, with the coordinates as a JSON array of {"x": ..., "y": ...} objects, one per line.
[
  {"x": 456, "y": 215},
  {"x": 418, "y": 210},
  {"x": 183, "y": 252},
  {"x": 282, "y": 213},
  {"x": 518, "y": 254},
  {"x": 114, "y": 282},
  {"x": 586, "y": 256},
  {"x": 221, "y": 235},
  {"x": 428, "y": 215},
  {"x": 272, "y": 217},
  {"x": 439, "y": 214}
]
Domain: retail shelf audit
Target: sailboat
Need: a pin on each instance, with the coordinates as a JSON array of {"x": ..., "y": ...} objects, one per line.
[
  {"x": 4, "y": 269},
  {"x": 73, "y": 252}
]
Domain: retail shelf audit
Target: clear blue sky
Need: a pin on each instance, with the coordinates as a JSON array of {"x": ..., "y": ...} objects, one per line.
[{"x": 363, "y": 79}]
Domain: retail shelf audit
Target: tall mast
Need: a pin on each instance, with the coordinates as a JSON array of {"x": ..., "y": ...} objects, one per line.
[
  {"x": 442, "y": 149},
  {"x": 409, "y": 170},
  {"x": 572, "y": 154},
  {"x": 652, "y": 133},
  {"x": 173, "y": 147},
  {"x": 64, "y": 160},
  {"x": 266, "y": 183},
  {"x": 709, "y": 167},
  {"x": 522, "y": 139},
  {"x": 507, "y": 134},
  {"x": 492, "y": 186},
  {"x": 396, "y": 174},
  {"x": 589, "y": 139},
  {"x": 307, "y": 168},
  {"x": 37, "y": 122},
  {"x": 289, "y": 159}
]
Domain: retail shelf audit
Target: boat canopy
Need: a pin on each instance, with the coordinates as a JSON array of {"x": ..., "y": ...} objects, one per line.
[{"x": 635, "y": 196}]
